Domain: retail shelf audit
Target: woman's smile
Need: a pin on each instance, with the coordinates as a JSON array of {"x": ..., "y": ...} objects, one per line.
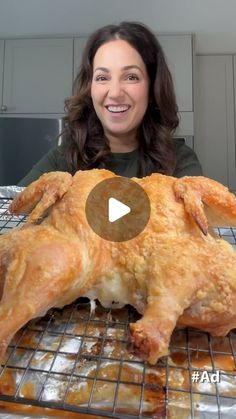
[
  {"x": 118, "y": 112},
  {"x": 118, "y": 108}
]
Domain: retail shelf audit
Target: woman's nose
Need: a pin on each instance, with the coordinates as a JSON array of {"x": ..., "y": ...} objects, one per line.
[{"x": 115, "y": 89}]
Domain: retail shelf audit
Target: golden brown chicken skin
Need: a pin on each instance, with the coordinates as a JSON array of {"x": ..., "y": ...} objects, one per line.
[{"x": 174, "y": 272}]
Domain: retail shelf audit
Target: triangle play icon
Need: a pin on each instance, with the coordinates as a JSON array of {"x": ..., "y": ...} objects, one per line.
[{"x": 116, "y": 210}]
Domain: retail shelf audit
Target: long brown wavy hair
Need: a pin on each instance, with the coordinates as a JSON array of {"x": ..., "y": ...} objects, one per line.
[{"x": 85, "y": 144}]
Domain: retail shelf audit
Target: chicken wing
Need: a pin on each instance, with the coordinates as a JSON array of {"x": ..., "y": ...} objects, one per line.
[{"x": 174, "y": 272}]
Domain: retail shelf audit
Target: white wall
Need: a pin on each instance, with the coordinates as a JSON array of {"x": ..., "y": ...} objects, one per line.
[{"x": 212, "y": 21}]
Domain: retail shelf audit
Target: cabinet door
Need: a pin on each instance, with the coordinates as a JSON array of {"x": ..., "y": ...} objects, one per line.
[
  {"x": 1, "y": 69},
  {"x": 37, "y": 75},
  {"x": 179, "y": 56},
  {"x": 214, "y": 118},
  {"x": 79, "y": 44}
]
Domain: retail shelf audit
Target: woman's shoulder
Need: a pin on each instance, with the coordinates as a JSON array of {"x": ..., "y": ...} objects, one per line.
[
  {"x": 187, "y": 163},
  {"x": 53, "y": 160},
  {"x": 179, "y": 143},
  {"x": 58, "y": 156}
]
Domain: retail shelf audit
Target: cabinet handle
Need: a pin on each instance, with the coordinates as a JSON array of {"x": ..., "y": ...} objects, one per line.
[{"x": 3, "y": 108}]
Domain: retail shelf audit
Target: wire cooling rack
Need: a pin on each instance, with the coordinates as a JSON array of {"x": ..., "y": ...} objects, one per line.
[{"x": 76, "y": 360}]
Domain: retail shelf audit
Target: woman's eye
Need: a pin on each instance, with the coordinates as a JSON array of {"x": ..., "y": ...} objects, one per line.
[
  {"x": 132, "y": 77},
  {"x": 100, "y": 78}
]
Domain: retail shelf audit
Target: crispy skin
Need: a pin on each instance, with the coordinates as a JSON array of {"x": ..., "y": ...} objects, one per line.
[{"x": 174, "y": 272}]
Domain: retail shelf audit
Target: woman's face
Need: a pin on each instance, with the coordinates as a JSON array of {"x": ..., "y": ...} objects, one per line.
[{"x": 120, "y": 88}]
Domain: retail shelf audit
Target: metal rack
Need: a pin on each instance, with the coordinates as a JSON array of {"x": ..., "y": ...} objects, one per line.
[{"x": 77, "y": 360}]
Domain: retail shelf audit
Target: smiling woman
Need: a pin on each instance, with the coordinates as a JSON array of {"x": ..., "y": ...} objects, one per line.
[
  {"x": 123, "y": 113},
  {"x": 120, "y": 93}
]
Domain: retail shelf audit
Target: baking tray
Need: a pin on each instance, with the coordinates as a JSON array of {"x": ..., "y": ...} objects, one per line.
[{"x": 75, "y": 362}]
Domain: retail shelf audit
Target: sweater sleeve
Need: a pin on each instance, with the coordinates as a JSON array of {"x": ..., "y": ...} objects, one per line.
[
  {"x": 187, "y": 163},
  {"x": 52, "y": 161}
]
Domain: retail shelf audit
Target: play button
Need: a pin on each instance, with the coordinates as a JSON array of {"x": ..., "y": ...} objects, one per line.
[{"x": 117, "y": 209}]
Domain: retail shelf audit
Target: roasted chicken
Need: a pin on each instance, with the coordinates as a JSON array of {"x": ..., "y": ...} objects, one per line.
[{"x": 174, "y": 272}]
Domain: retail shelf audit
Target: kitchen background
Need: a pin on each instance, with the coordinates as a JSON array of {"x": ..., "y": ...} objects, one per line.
[{"x": 40, "y": 48}]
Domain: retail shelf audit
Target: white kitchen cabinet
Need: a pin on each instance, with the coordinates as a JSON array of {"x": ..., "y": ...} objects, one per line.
[
  {"x": 178, "y": 50},
  {"x": 1, "y": 69},
  {"x": 37, "y": 75},
  {"x": 214, "y": 117},
  {"x": 179, "y": 53}
]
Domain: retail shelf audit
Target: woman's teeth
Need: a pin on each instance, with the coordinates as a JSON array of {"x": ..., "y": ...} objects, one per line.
[{"x": 117, "y": 108}]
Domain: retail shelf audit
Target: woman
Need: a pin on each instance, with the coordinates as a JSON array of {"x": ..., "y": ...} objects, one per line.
[{"x": 123, "y": 113}]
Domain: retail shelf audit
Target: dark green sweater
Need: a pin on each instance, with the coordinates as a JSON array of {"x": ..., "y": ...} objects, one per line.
[{"x": 122, "y": 164}]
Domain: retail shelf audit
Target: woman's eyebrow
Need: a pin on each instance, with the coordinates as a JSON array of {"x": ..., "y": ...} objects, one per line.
[
  {"x": 129, "y": 67},
  {"x": 102, "y": 69},
  {"x": 126, "y": 67}
]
